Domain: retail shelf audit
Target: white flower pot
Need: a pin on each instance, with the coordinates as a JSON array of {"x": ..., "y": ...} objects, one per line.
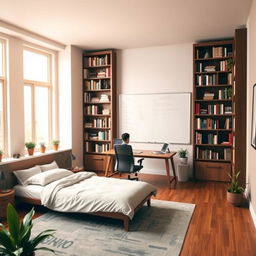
[
  {"x": 184, "y": 160},
  {"x": 182, "y": 172}
]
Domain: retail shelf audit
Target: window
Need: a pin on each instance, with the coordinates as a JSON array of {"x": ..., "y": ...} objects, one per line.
[
  {"x": 37, "y": 95},
  {"x": 3, "y": 143}
]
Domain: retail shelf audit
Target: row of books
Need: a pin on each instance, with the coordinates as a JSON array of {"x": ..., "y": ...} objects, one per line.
[
  {"x": 210, "y": 154},
  {"x": 208, "y": 123},
  {"x": 213, "y": 109},
  {"x": 206, "y": 79},
  {"x": 88, "y": 98},
  {"x": 208, "y": 138},
  {"x": 224, "y": 65},
  {"x": 214, "y": 52},
  {"x": 99, "y": 148},
  {"x": 99, "y": 135},
  {"x": 97, "y": 61},
  {"x": 97, "y": 85},
  {"x": 102, "y": 73},
  {"x": 99, "y": 123},
  {"x": 225, "y": 94}
]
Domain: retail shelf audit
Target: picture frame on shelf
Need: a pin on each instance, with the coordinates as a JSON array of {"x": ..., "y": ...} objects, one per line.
[{"x": 253, "y": 125}]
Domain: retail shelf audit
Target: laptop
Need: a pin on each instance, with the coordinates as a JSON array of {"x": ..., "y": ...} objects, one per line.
[{"x": 163, "y": 150}]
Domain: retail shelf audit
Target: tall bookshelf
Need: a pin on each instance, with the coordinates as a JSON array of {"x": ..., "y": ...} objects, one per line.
[
  {"x": 99, "y": 106},
  {"x": 219, "y": 111}
]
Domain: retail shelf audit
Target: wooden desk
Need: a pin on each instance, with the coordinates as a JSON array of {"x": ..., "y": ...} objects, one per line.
[{"x": 145, "y": 154}]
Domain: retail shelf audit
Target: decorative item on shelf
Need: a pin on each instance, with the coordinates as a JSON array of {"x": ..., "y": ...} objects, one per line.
[
  {"x": 104, "y": 98},
  {"x": 16, "y": 156},
  {"x": 55, "y": 144},
  {"x": 105, "y": 111},
  {"x": 235, "y": 191},
  {"x": 1, "y": 155},
  {"x": 207, "y": 54},
  {"x": 16, "y": 239},
  {"x": 30, "y": 147},
  {"x": 42, "y": 147},
  {"x": 229, "y": 64},
  {"x": 210, "y": 69},
  {"x": 183, "y": 155}
]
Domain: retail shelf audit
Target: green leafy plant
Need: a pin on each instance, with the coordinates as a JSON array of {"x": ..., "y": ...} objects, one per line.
[
  {"x": 30, "y": 145},
  {"x": 183, "y": 153},
  {"x": 229, "y": 64},
  {"x": 16, "y": 241},
  {"x": 55, "y": 142},
  {"x": 42, "y": 144},
  {"x": 234, "y": 186},
  {"x": 1, "y": 152}
]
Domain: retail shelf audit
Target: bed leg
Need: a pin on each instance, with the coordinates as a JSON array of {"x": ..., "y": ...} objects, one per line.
[
  {"x": 149, "y": 202},
  {"x": 126, "y": 223}
]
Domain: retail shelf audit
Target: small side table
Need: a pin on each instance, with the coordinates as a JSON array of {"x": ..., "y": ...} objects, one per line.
[{"x": 6, "y": 198}]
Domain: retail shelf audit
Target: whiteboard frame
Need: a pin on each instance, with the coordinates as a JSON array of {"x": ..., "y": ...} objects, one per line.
[{"x": 158, "y": 142}]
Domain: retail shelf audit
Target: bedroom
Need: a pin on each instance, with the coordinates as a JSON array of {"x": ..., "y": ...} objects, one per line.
[{"x": 153, "y": 42}]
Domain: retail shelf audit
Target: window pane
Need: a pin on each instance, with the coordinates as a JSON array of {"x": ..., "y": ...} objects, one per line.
[
  {"x": 28, "y": 113},
  {"x": 1, "y": 59},
  {"x": 36, "y": 66},
  {"x": 42, "y": 114},
  {"x": 1, "y": 117}
]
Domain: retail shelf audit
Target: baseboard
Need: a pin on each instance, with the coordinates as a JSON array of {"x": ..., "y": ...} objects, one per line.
[
  {"x": 153, "y": 171},
  {"x": 253, "y": 214}
]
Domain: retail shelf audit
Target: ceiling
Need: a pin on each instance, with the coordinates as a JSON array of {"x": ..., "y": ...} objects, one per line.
[{"x": 121, "y": 24}]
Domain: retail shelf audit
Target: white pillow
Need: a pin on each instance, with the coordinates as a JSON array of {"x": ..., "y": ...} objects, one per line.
[
  {"x": 45, "y": 178},
  {"x": 24, "y": 175},
  {"x": 47, "y": 167}
]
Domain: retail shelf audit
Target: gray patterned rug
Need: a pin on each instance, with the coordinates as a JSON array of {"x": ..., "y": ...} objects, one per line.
[{"x": 154, "y": 231}]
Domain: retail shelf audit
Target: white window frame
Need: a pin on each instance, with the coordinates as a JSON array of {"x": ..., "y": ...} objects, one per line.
[
  {"x": 3, "y": 79},
  {"x": 50, "y": 85}
]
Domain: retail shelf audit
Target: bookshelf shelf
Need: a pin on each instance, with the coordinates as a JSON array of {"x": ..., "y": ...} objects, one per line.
[
  {"x": 219, "y": 112},
  {"x": 99, "y": 94}
]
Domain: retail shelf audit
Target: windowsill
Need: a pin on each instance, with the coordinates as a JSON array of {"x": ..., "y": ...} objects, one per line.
[{"x": 36, "y": 154}]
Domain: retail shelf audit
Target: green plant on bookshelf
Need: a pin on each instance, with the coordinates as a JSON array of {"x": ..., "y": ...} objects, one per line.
[
  {"x": 16, "y": 240},
  {"x": 229, "y": 64},
  {"x": 235, "y": 191}
]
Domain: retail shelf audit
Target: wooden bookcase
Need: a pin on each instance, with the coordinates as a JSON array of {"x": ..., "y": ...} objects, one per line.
[
  {"x": 99, "y": 106},
  {"x": 219, "y": 108}
]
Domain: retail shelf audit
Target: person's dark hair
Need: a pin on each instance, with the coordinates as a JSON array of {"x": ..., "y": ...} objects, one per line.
[{"x": 125, "y": 136}]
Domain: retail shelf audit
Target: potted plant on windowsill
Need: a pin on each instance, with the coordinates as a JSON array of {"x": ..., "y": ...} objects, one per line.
[
  {"x": 55, "y": 144},
  {"x": 30, "y": 147},
  {"x": 42, "y": 147},
  {"x": 183, "y": 155},
  {"x": 235, "y": 191},
  {"x": 16, "y": 241}
]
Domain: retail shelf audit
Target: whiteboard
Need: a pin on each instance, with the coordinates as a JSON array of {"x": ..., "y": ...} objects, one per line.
[{"x": 156, "y": 118}]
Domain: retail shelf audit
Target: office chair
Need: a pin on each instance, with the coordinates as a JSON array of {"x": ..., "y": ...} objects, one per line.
[{"x": 125, "y": 161}]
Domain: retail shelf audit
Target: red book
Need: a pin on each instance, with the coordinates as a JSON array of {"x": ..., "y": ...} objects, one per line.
[
  {"x": 230, "y": 138},
  {"x": 197, "y": 108}
]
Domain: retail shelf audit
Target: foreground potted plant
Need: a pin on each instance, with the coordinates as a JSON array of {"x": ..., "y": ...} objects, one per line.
[
  {"x": 30, "y": 147},
  {"x": 55, "y": 144},
  {"x": 42, "y": 147},
  {"x": 16, "y": 241},
  {"x": 235, "y": 192},
  {"x": 183, "y": 155}
]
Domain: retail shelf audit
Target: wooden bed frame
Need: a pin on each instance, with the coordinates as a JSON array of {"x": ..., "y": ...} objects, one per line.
[{"x": 113, "y": 215}]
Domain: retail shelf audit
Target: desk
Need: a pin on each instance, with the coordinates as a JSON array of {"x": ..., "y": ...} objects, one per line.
[{"x": 145, "y": 154}]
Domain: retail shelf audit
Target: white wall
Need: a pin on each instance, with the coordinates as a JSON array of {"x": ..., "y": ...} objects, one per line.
[
  {"x": 156, "y": 70},
  {"x": 251, "y": 78}
]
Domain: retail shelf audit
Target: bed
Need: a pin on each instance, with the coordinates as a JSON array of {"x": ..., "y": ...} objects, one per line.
[{"x": 61, "y": 190}]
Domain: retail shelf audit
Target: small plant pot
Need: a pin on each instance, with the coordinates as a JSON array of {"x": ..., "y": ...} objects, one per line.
[
  {"x": 184, "y": 160},
  {"x": 55, "y": 147},
  {"x": 31, "y": 151},
  {"x": 235, "y": 198},
  {"x": 42, "y": 149},
  {"x": 1, "y": 156}
]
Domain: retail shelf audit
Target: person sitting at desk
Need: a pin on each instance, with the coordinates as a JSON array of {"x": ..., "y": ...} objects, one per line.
[{"x": 126, "y": 138}]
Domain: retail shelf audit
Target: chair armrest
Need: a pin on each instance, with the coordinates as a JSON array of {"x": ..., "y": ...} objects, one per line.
[{"x": 140, "y": 161}]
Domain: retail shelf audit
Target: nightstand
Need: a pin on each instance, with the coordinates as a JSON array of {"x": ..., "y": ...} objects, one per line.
[{"x": 6, "y": 198}]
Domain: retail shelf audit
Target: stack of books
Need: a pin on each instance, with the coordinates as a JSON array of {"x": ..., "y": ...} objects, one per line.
[
  {"x": 208, "y": 96},
  {"x": 210, "y": 69},
  {"x": 88, "y": 125}
]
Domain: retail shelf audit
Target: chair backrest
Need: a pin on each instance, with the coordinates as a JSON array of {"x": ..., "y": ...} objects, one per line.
[
  {"x": 124, "y": 158},
  {"x": 117, "y": 141}
]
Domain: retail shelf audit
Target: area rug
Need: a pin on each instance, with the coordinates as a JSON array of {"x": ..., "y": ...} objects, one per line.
[{"x": 158, "y": 230}]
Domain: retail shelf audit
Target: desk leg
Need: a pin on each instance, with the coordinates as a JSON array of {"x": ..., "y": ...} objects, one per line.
[
  {"x": 167, "y": 170},
  {"x": 173, "y": 168},
  {"x": 108, "y": 165}
]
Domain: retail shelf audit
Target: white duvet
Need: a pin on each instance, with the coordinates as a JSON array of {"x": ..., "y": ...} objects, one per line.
[{"x": 85, "y": 192}]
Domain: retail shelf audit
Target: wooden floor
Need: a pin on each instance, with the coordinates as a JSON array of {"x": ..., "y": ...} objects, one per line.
[{"x": 216, "y": 228}]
